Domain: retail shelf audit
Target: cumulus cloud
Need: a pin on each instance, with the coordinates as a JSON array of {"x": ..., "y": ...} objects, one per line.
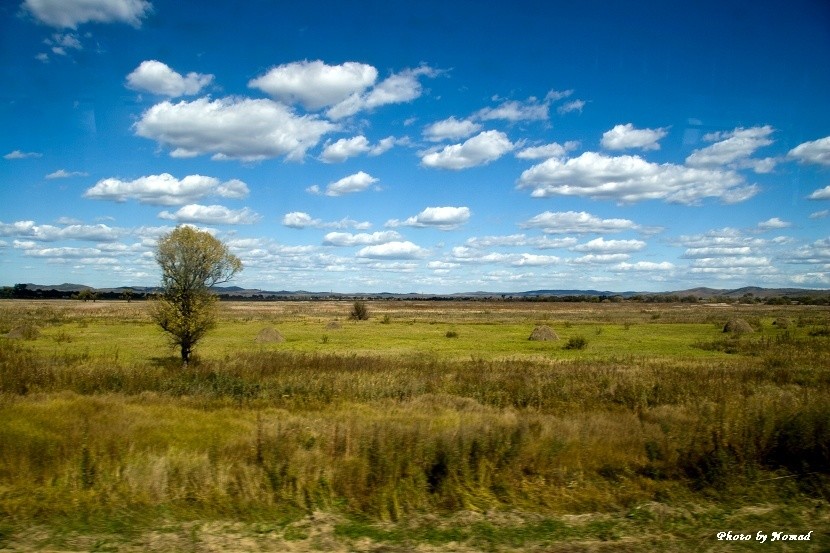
[
  {"x": 601, "y": 245},
  {"x": 599, "y": 259},
  {"x": 631, "y": 179},
  {"x": 577, "y": 222},
  {"x": 64, "y": 174},
  {"x": 773, "y": 223},
  {"x": 393, "y": 250},
  {"x": 165, "y": 189},
  {"x": 398, "y": 88},
  {"x": 816, "y": 253},
  {"x": 358, "y": 182},
  {"x": 71, "y": 13},
  {"x": 547, "y": 151},
  {"x": 17, "y": 154},
  {"x": 534, "y": 260},
  {"x": 345, "y": 148},
  {"x": 624, "y": 137},
  {"x": 481, "y": 149},
  {"x": 820, "y": 194},
  {"x": 450, "y": 129},
  {"x": 300, "y": 219},
  {"x": 211, "y": 215},
  {"x": 716, "y": 251},
  {"x": 817, "y": 151},
  {"x": 232, "y": 128},
  {"x": 444, "y": 218},
  {"x": 645, "y": 266},
  {"x": 50, "y": 233},
  {"x": 315, "y": 84},
  {"x": 343, "y": 239},
  {"x": 820, "y": 214},
  {"x": 730, "y": 147},
  {"x": 157, "y": 78}
]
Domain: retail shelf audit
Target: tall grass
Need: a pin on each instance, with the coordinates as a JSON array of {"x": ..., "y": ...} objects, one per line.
[{"x": 256, "y": 435}]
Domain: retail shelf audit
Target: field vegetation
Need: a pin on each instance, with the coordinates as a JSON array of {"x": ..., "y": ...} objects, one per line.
[{"x": 429, "y": 425}]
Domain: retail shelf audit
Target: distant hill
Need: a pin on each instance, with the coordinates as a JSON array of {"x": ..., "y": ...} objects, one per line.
[{"x": 255, "y": 293}]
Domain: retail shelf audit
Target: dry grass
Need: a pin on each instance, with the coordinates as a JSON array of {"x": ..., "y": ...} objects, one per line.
[{"x": 343, "y": 451}]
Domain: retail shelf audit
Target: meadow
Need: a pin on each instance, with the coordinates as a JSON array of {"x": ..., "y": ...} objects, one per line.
[{"x": 432, "y": 426}]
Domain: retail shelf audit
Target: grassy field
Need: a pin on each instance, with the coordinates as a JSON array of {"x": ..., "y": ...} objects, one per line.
[{"x": 433, "y": 426}]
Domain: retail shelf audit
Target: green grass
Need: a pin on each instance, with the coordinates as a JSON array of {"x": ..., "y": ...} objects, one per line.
[{"x": 663, "y": 429}]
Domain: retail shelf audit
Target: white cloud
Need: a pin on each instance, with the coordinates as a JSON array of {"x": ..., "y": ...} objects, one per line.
[
  {"x": 547, "y": 151},
  {"x": 511, "y": 240},
  {"x": 393, "y": 250},
  {"x": 599, "y": 259},
  {"x": 774, "y": 223},
  {"x": 156, "y": 77},
  {"x": 211, "y": 215},
  {"x": 730, "y": 147},
  {"x": 17, "y": 154},
  {"x": 232, "y": 128},
  {"x": 71, "y": 13},
  {"x": 50, "y": 233},
  {"x": 60, "y": 42},
  {"x": 398, "y": 88},
  {"x": 610, "y": 246},
  {"x": 358, "y": 182},
  {"x": 817, "y": 253},
  {"x": 444, "y": 218},
  {"x": 344, "y": 239},
  {"x": 64, "y": 174},
  {"x": 449, "y": 129},
  {"x": 645, "y": 266},
  {"x": 716, "y": 251},
  {"x": 479, "y": 150},
  {"x": 315, "y": 84},
  {"x": 165, "y": 189},
  {"x": 577, "y": 222},
  {"x": 820, "y": 214},
  {"x": 299, "y": 219},
  {"x": 534, "y": 260},
  {"x": 623, "y": 137},
  {"x": 817, "y": 151},
  {"x": 820, "y": 194},
  {"x": 529, "y": 110},
  {"x": 575, "y": 105},
  {"x": 631, "y": 179},
  {"x": 345, "y": 148}
]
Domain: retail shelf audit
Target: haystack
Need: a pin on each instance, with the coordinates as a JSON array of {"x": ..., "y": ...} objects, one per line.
[
  {"x": 782, "y": 322},
  {"x": 543, "y": 334},
  {"x": 24, "y": 332},
  {"x": 738, "y": 326},
  {"x": 334, "y": 325},
  {"x": 269, "y": 335}
]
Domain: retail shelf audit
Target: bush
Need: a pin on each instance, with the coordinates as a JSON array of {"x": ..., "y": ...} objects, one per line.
[
  {"x": 359, "y": 311},
  {"x": 452, "y": 334},
  {"x": 576, "y": 342}
]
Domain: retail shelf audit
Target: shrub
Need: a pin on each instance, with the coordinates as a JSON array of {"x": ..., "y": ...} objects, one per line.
[
  {"x": 452, "y": 334},
  {"x": 576, "y": 342},
  {"x": 359, "y": 311}
]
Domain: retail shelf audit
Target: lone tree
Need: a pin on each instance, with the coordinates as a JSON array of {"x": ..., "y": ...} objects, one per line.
[{"x": 191, "y": 262}]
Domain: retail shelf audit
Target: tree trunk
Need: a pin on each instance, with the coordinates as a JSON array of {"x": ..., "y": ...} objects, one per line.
[{"x": 185, "y": 352}]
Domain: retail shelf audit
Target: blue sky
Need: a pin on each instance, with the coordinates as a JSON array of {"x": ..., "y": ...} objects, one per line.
[{"x": 419, "y": 147}]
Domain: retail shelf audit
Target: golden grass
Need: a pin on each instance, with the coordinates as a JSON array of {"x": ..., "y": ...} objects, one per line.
[{"x": 389, "y": 423}]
